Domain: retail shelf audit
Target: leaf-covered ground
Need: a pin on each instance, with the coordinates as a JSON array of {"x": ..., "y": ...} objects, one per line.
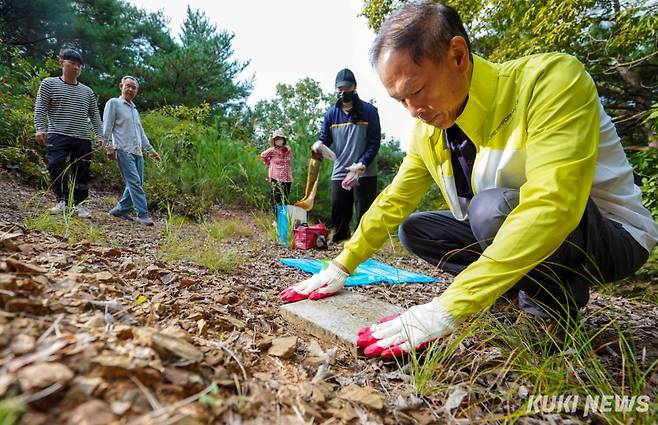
[{"x": 112, "y": 330}]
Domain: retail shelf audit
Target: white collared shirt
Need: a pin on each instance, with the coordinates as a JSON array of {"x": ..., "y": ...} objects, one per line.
[{"x": 122, "y": 127}]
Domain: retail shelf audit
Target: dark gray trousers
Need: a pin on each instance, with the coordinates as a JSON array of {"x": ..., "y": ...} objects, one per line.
[
  {"x": 344, "y": 201},
  {"x": 598, "y": 250}
]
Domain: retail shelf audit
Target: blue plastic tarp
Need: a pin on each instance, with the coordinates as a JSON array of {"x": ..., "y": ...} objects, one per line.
[{"x": 370, "y": 272}]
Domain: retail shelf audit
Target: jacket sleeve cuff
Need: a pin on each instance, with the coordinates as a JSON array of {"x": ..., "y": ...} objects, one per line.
[{"x": 348, "y": 260}]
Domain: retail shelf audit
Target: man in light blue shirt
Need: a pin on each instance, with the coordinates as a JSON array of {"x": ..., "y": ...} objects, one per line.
[{"x": 123, "y": 130}]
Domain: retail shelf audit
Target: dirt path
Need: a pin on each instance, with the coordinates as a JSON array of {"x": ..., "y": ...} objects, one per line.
[{"x": 102, "y": 333}]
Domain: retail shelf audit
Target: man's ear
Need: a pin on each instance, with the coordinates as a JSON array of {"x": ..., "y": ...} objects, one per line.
[{"x": 459, "y": 51}]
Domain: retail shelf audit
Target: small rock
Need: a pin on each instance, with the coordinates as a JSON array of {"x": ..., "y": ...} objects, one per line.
[
  {"x": 93, "y": 412},
  {"x": 87, "y": 385},
  {"x": 523, "y": 392},
  {"x": 42, "y": 375},
  {"x": 283, "y": 347},
  {"x": 455, "y": 397},
  {"x": 22, "y": 344},
  {"x": 168, "y": 278},
  {"x": 120, "y": 407}
]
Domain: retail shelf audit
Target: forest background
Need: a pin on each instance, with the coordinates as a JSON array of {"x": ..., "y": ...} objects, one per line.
[{"x": 194, "y": 103}]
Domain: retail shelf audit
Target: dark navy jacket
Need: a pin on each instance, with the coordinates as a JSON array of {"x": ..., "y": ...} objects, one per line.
[{"x": 355, "y": 137}]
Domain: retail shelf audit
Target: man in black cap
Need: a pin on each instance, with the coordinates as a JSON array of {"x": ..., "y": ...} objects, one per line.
[
  {"x": 63, "y": 109},
  {"x": 352, "y": 126}
]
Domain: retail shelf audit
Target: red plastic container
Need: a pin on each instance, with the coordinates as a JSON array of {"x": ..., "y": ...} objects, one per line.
[{"x": 306, "y": 237}]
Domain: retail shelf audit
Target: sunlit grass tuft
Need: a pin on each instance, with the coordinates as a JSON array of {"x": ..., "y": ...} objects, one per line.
[
  {"x": 65, "y": 226},
  {"x": 222, "y": 230},
  {"x": 202, "y": 244}
]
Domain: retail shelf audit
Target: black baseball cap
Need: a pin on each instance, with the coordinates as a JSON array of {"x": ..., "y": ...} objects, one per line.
[
  {"x": 70, "y": 54},
  {"x": 345, "y": 78}
]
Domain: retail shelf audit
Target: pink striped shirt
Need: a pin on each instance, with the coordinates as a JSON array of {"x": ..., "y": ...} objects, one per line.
[{"x": 278, "y": 158}]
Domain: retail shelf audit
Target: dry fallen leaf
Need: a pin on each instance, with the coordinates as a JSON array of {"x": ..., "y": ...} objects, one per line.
[{"x": 364, "y": 395}]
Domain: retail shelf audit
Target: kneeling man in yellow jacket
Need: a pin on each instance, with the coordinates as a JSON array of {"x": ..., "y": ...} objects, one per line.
[{"x": 540, "y": 192}]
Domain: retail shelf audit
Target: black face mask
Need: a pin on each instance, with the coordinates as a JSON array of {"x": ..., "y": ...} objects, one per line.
[{"x": 347, "y": 96}]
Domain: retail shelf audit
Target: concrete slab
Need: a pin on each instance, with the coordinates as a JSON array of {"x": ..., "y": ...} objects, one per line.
[{"x": 337, "y": 319}]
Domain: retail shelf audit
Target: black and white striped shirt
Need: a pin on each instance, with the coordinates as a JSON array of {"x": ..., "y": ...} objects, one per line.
[{"x": 66, "y": 109}]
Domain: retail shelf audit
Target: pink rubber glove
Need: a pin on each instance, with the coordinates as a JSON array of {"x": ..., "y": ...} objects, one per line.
[
  {"x": 321, "y": 285},
  {"x": 355, "y": 171},
  {"x": 396, "y": 335}
]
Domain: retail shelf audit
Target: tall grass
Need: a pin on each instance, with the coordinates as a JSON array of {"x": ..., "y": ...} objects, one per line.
[
  {"x": 203, "y": 244},
  {"x": 203, "y": 165},
  {"x": 209, "y": 167},
  {"x": 501, "y": 361}
]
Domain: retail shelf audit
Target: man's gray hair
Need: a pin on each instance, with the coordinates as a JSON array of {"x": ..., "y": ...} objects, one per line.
[
  {"x": 423, "y": 28},
  {"x": 129, "y": 77}
]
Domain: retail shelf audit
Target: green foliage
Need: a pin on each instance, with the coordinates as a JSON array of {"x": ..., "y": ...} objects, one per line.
[
  {"x": 297, "y": 110},
  {"x": 388, "y": 160},
  {"x": 201, "y": 70},
  {"x": 616, "y": 40},
  {"x": 652, "y": 118},
  {"x": 116, "y": 38},
  {"x": 202, "y": 244},
  {"x": 19, "y": 153},
  {"x": 11, "y": 411},
  {"x": 222, "y": 230},
  {"x": 66, "y": 226},
  {"x": 200, "y": 165},
  {"x": 645, "y": 164}
]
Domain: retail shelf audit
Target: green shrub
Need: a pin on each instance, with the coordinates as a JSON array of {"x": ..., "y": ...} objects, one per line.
[
  {"x": 200, "y": 165},
  {"x": 645, "y": 164}
]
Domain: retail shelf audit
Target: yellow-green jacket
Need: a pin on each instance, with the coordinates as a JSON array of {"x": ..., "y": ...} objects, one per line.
[{"x": 538, "y": 126}]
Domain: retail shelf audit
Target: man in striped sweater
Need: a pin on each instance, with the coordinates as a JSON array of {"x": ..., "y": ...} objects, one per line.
[{"x": 64, "y": 107}]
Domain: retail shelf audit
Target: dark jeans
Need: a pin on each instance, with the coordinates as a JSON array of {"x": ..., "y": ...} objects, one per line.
[
  {"x": 280, "y": 193},
  {"x": 343, "y": 201},
  {"x": 598, "y": 250},
  {"x": 69, "y": 159}
]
